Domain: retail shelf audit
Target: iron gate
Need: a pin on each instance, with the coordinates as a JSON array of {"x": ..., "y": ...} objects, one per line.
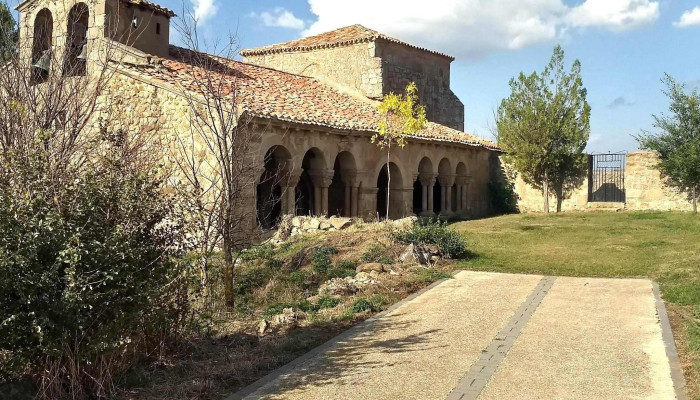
[{"x": 606, "y": 178}]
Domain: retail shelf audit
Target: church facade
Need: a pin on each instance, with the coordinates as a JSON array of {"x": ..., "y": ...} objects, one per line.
[{"x": 316, "y": 98}]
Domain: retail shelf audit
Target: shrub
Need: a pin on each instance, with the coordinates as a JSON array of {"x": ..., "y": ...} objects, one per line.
[
  {"x": 87, "y": 273},
  {"x": 449, "y": 241},
  {"x": 321, "y": 258},
  {"x": 327, "y": 302},
  {"x": 373, "y": 304},
  {"x": 342, "y": 270},
  {"x": 298, "y": 278},
  {"x": 264, "y": 251},
  {"x": 372, "y": 254},
  {"x": 250, "y": 279},
  {"x": 504, "y": 200}
]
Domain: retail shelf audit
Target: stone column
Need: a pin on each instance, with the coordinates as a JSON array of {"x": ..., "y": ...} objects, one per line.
[
  {"x": 321, "y": 180},
  {"x": 350, "y": 179},
  {"x": 288, "y": 186},
  {"x": 462, "y": 183},
  {"x": 446, "y": 182},
  {"x": 427, "y": 181}
]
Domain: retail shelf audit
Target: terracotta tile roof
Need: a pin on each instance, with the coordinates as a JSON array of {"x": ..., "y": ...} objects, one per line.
[
  {"x": 339, "y": 37},
  {"x": 152, "y": 6},
  {"x": 268, "y": 93}
]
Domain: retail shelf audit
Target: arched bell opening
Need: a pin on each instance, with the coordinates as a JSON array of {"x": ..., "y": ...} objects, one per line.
[{"x": 392, "y": 196}]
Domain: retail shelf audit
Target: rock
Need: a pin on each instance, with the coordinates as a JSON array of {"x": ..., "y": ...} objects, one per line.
[
  {"x": 338, "y": 287},
  {"x": 370, "y": 267},
  {"x": 296, "y": 222},
  {"x": 340, "y": 223},
  {"x": 394, "y": 272},
  {"x": 363, "y": 277},
  {"x": 311, "y": 224},
  {"x": 427, "y": 253},
  {"x": 374, "y": 274},
  {"x": 263, "y": 326},
  {"x": 288, "y": 316},
  {"x": 408, "y": 254},
  {"x": 313, "y": 299},
  {"x": 324, "y": 225}
]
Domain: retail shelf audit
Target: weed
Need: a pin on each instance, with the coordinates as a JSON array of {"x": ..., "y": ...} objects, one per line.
[
  {"x": 430, "y": 275},
  {"x": 373, "y": 254},
  {"x": 435, "y": 232},
  {"x": 321, "y": 258},
  {"x": 373, "y": 304}
]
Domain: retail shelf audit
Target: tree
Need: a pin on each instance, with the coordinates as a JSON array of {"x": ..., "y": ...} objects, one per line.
[
  {"x": 216, "y": 160},
  {"x": 544, "y": 127},
  {"x": 402, "y": 115},
  {"x": 8, "y": 32},
  {"x": 678, "y": 146}
]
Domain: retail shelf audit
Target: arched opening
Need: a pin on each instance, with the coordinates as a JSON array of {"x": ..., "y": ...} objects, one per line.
[
  {"x": 41, "y": 46},
  {"x": 269, "y": 196},
  {"x": 76, "y": 46},
  {"x": 394, "y": 195},
  {"x": 308, "y": 193},
  {"x": 340, "y": 190},
  {"x": 421, "y": 203}
]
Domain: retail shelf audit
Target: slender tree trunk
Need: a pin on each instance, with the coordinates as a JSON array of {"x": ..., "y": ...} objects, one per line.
[
  {"x": 559, "y": 192},
  {"x": 545, "y": 192},
  {"x": 388, "y": 184},
  {"x": 228, "y": 269}
]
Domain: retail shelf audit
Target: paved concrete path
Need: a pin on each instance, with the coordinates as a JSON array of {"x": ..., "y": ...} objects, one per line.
[{"x": 495, "y": 336}]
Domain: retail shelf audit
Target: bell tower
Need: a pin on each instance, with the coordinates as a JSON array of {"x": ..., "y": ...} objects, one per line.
[{"x": 59, "y": 34}]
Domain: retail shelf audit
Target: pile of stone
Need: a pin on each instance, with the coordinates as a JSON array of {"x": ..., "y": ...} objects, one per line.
[
  {"x": 292, "y": 226},
  {"x": 424, "y": 254},
  {"x": 289, "y": 317}
]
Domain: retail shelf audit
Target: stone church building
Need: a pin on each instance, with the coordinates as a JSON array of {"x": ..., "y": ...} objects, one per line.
[{"x": 316, "y": 96}]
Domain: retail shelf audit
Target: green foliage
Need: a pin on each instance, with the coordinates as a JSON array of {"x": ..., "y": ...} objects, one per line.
[
  {"x": 544, "y": 127},
  {"x": 372, "y": 254},
  {"x": 402, "y": 115},
  {"x": 298, "y": 278},
  {"x": 321, "y": 258},
  {"x": 9, "y": 33},
  {"x": 86, "y": 267},
  {"x": 374, "y": 304},
  {"x": 260, "y": 252},
  {"x": 504, "y": 200},
  {"x": 327, "y": 302},
  {"x": 250, "y": 279},
  {"x": 342, "y": 270},
  {"x": 450, "y": 242},
  {"x": 678, "y": 146}
]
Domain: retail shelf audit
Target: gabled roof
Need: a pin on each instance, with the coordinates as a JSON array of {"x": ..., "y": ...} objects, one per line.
[
  {"x": 152, "y": 6},
  {"x": 277, "y": 95},
  {"x": 340, "y": 37}
]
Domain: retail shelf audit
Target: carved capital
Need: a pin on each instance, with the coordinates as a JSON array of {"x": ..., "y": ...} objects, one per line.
[
  {"x": 322, "y": 178},
  {"x": 427, "y": 179},
  {"x": 446, "y": 180}
]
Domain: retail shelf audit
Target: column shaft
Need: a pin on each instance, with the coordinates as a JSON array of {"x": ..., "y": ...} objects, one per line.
[
  {"x": 347, "y": 206},
  {"x": 430, "y": 198}
]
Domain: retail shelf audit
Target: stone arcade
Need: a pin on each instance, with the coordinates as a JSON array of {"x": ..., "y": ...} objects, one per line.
[{"x": 317, "y": 98}]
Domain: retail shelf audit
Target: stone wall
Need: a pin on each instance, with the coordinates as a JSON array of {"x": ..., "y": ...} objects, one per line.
[
  {"x": 644, "y": 190},
  {"x": 353, "y": 68},
  {"x": 430, "y": 72},
  {"x": 373, "y": 69}
]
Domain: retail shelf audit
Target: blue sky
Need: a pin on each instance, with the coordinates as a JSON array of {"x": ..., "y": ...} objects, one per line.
[{"x": 625, "y": 46}]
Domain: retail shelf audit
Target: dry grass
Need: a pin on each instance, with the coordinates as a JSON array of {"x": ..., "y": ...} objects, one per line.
[{"x": 234, "y": 355}]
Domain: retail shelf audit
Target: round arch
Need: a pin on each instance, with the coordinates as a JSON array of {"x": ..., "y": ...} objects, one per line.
[
  {"x": 41, "y": 45},
  {"x": 391, "y": 179},
  {"x": 276, "y": 165},
  {"x": 76, "y": 50},
  {"x": 340, "y": 197}
]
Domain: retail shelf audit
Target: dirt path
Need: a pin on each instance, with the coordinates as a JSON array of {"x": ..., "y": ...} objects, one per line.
[{"x": 493, "y": 336}]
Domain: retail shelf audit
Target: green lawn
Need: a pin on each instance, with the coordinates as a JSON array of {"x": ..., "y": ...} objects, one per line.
[{"x": 661, "y": 246}]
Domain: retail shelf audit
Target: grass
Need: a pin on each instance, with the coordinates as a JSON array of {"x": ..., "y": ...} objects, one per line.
[{"x": 661, "y": 246}]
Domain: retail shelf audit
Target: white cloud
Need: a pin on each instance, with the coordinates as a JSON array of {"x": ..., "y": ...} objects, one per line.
[
  {"x": 279, "y": 18},
  {"x": 620, "y": 102},
  {"x": 204, "y": 9},
  {"x": 689, "y": 18},
  {"x": 471, "y": 28},
  {"x": 615, "y": 15}
]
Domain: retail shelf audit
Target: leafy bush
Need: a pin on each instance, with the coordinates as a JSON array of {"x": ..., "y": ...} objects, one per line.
[
  {"x": 86, "y": 272},
  {"x": 321, "y": 258},
  {"x": 372, "y": 254},
  {"x": 374, "y": 304},
  {"x": 449, "y": 241},
  {"x": 504, "y": 200},
  {"x": 298, "y": 278},
  {"x": 264, "y": 251},
  {"x": 250, "y": 279},
  {"x": 342, "y": 270}
]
